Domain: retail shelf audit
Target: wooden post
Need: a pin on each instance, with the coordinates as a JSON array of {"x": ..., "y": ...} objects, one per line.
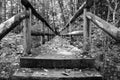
[
  {"x": 27, "y": 34},
  {"x": 87, "y": 33}
]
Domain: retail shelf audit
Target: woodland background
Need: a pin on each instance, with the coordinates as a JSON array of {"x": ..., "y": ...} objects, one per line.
[{"x": 58, "y": 13}]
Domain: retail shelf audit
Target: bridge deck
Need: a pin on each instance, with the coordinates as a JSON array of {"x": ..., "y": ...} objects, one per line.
[{"x": 54, "y": 74}]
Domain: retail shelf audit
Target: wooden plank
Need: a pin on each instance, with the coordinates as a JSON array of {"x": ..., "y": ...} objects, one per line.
[
  {"x": 27, "y": 34},
  {"x": 110, "y": 29},
  {"x": 36, "y": 33},
  {"x": 0, "y": 11},
  {"x": 55, "y": 74},
  {"x": 50, "y": 63},
  {"x": 11, "y": 23},
  {"x": 74, "y": 33}
]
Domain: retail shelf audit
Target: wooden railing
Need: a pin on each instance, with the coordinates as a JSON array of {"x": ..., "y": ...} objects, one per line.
[
  {"x": 11, "y": 23},
  {"x": 110, "y": 29}
]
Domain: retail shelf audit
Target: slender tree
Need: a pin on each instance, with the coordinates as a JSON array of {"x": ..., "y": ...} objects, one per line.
[
  {"x": 113, "y": 9},
  {"x": 4, "y": 10},
  {"x": 62, "y": 10},
  {"x": 0, "y": 11}
]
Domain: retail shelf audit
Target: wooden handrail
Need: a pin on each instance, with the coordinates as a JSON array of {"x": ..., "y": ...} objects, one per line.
[
  {"x": 110, "y": 29},
  {"x": 74, "y": 33},
  {"x": 27, "y": 5},
  {"x": 11, "y": 23}
]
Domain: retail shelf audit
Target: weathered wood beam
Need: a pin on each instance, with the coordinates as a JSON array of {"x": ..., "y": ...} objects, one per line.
[
  {"x": 86, "y": 30},
  {"x": 110, "y": 29},
  {"x": 11, "y": 23},
  {"x": 74, "y": 33},
  {"x": 36, "y": 33},
  {"x": 27, "y": 34},
  {"x": 27, "y": 5},
  {"x": 50, "y": 62},
  {"x": 87, "y": 4}
]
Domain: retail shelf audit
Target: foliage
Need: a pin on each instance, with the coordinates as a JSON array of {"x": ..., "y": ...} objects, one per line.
[
  {"x": 58, "y": 13},
  {"x": 11, "y": 49}
]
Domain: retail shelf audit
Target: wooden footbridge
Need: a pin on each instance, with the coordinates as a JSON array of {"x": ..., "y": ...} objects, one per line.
[{"x": 56, "y": 67}]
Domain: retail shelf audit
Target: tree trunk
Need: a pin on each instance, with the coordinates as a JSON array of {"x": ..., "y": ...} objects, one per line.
[
  {"x": 108, "y": 15},
  {"x": 47, "y": 15},
  {"x": 71, "y": 7},
  {"x": 0, "y": 11},
  {"x": 62, "y": 10},
  {"x": 114, "y": 13},
  {"x": 4, "y": 10},
  {"x": 11, "y": 14}
]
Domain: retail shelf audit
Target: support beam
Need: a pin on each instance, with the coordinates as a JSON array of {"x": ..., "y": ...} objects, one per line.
[
  {"x": 11, "y": 23},
  {"x": 111, "y": 30},
  {"x": 27, "y": 34},
  {"x": 87, "y": 33},
  {"x": 34, "y": 12},
  {"x": 74, "y": 33},
  {"x": 36, "y": 33}
]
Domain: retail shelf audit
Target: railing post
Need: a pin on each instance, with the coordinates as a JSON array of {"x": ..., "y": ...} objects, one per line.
[
  {"x": 87, "y": 33},
  {"x": 27, "y": 34}
]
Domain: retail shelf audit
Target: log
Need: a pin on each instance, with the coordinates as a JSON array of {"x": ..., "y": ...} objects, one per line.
[
  {"x": 110, "y": 29},
  {"x": 74, "y": 33},
  {"x": 36, "y": 33},
  {"x": 11, "y": 23},
  {"x": 34, "y": 12},
  {"x": 87, "y": 4},
  {"x": 86, "y": 30},
  {"x": 27, "y": 34}
]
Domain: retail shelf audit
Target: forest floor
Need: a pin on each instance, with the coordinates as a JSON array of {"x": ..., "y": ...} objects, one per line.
[{"x": 11, "y": 49}]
